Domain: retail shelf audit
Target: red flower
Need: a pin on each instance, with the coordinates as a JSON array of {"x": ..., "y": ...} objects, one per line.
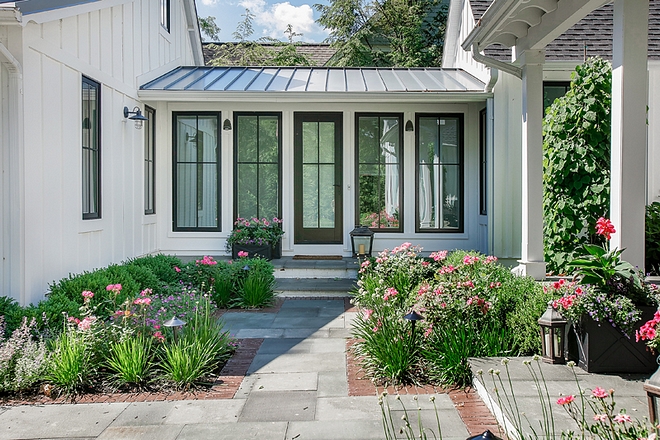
[
  {"x": 565, "y": 400},
  {"x": 605, "y": 227}
]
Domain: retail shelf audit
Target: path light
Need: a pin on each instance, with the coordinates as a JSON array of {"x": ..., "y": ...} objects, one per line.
[
  {"x": 413, "y": 317},
  {"x": 652, "y": 388},
  {"x": 362, "y": 240},
  {"x": 485, "y": 435},
  {"x": 246, "y": 268},
  {"x": 174, "y": 323},
  {"x": 553, "y": 335}
]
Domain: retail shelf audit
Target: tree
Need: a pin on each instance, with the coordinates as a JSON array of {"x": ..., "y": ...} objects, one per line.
[
  {"x": 576, "y": 163},
  {"x": 403, "y": 33},
  {"x": 208, "y": 27}
]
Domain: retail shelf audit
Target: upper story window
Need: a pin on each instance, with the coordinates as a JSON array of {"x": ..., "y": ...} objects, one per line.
[
  {"x": 553, "y": 90},
  {"x": 165, "y": 14},
  {"x": 91, "y": 149},
  {"x": 196, "y": 172},
  {"x": 379, "y": 147},
  {"x": 439, "y": 156},
  {"x": 150, "y": 161}
]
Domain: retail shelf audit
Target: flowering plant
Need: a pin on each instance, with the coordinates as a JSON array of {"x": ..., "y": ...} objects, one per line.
[
  {"x": 255, "y": 231},
  {"x": 649, "y": 331}
]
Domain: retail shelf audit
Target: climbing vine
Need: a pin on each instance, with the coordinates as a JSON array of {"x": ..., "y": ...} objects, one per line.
[{"x": 576, "y": 163}]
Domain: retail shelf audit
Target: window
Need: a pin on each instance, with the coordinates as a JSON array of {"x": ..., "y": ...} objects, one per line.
[
  {"x": 257, "y": 148},
  {"x": 378, "y": 196},
  {"x": 196, "y": 172},
  {"x": 149, "y": 161},
  {"x": 552, "y": 91},
  {"x": 91, "y": 149},
  {"x": 165, "y": 14},
  {"x": 483, "y": 164},
  {"x": 439, "y": 157}
]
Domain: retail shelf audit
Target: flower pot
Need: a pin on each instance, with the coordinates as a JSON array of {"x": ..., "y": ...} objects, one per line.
[
  {"x": 605, "y": 349},
  {"x": 253, "y": 250},
  {"x": 276, "y": 250}
]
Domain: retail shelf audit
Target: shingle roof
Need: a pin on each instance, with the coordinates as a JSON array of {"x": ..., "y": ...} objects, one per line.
[
  {"x": 594, "y": 31},
  {"x": 315, "y": 79},
  {"x": 318, "y": 53}
]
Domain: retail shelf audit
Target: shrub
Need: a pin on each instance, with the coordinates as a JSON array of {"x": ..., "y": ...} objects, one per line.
[
  {"x": 23, "y": 357},
  {"x": 12, "y": 313},
  {"x": 161, "y": 265},
  {"x": 257, "y": 288},
  {"x": 653, "y": 238},
  {"x": 201, "y": 274}
]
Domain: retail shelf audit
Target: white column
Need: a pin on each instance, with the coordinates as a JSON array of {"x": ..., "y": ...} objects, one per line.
[
  {"x": 532, "y": 259},
  {"x": 629, "y": 99}
]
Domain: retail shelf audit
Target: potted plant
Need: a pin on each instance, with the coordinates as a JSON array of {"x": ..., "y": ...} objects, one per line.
[
  {"x": 257, "y": 237},
  {"x": 605, "y": 304}
]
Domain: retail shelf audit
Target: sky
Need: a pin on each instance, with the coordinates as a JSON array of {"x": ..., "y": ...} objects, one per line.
[{"x": 271, "y": 18}]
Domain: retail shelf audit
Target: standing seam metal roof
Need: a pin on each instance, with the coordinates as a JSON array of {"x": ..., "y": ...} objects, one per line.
[{"x": 315, "y": 79}]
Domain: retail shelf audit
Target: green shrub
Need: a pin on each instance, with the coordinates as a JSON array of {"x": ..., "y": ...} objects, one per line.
[
  {"x": 163, "y": 266},
  {"x": 130, "y": 361},
  {"x": 12, "y": 313},
  {"x": 653, "y": 238}
]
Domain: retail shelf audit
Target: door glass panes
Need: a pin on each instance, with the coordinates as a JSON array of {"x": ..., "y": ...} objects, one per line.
[
  {"x": 439, "y": 174},
  {"x": 379, "y": 171},
  {"x": 149, "y": 161},
  {"x": 318, "y": 165},
  {"x": 257, "y": 172},
  {"x": 196, "y": 172}
]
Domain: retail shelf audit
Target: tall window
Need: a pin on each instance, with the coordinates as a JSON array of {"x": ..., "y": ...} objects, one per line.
[
  {"x": 165, "y": 14},
  {"x": 91, "y": 149},
  {"x": 379, "y": 141},
  {"x": 439, "y": 152},
  {"x": 257, "y": 165},
  {"x": 553, "y": 90},
  {"x": 149, "y": 161},
  {"x": 483, "y": 164},
  {"x": 196, "y": 172}
]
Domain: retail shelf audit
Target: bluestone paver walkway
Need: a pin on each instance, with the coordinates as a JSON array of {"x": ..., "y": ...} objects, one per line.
[{"x": 296, "y": 388}]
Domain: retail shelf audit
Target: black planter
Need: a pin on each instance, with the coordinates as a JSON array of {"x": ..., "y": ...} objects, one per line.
[
  {"x": 605, "y": 349},
  {"x": 253, "y": 250},
  {"x": 276, "y": 250}
]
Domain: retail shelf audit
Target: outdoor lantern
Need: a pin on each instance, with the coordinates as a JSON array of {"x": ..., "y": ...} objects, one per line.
[
  {"x": 362, "y": 240},
  {"x": 553, "y": 335},
  {"x": 652, "y": 388},
  {"x": 413, "y": 317},
  {"x": 138, "y": 117},
  {"x": 485, "y": 435},
  {"x": 174, "y": 323}
]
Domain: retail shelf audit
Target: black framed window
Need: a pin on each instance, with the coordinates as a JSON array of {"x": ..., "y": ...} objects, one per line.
[
  {"x": 149, "y": 161},
  {"x": 165, "y": 14},
  {"x": 257, "y": 170},
  {"x": 439, "y": 173},
  {"x": 553, "y": 90},
  {"x": 91, "y": 149},
  {"x": 379, "y": 140},
  {"x": 196, "y": 172},
  {"x": 483, "y": 164}
]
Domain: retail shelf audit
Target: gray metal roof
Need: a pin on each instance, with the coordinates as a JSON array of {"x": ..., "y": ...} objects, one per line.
[
  {"x": 33, "y": 6},
  {"x": 316, "y": 79}
]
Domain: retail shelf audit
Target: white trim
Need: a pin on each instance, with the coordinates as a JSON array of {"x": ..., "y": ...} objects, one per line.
[{"x": 71, "y": 11}]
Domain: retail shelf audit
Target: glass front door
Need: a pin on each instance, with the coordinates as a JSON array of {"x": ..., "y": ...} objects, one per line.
[{"x": 317, "y": 178}]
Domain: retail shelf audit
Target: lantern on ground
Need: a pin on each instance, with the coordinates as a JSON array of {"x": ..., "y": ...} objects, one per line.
[
  {"x": 553, "y": 335},
  {"x": 413, "y": 317},
  {"x": 174, "y": 323},
  {"x": 652, "y": 388},
  {"x": 362, "y": 240}
]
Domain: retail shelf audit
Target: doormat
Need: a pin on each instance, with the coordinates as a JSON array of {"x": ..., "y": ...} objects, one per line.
[{"x": 317, "y": 257}]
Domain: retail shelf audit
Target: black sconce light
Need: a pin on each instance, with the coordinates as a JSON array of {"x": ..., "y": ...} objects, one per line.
[
  {"x": 410, "y": 126},
  {"x": 138, "y": 117},
  {"x": 226, "y": 125},
  {"x": 553, "y": 335},
  {"x": 174, "y": 323},
  {"x": 362, "y": 240}
]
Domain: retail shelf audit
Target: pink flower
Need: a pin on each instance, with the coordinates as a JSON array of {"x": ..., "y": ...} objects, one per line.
[
  {"x": 176, "y": 269},
  {"x": 391, "y": 292},
  {"x": 601, "y": 418},
  {"x": 88, "y": 294},
  {"x": 73, "y": 319},
  {"x": 365, "y": 263},
  {"x": 367, "y": 313},
  {"x": 86, "y": 323},
  {"x": 439, "y": 255},
  {"x": 114, "y": 288},
  {"x": 242, "y": 254},
  {"x": 157, "y": 327},
  {"x": 159, "y": 336},
  {"x": 437, "y": 291},
  {"x": 142, "y": 301},
  {"x": 605, "y": 227},
  {"x": 565, "y": 400},
  {"x": 425, "y": 263},
  {"x": 490, "y": 259},
  {"x": 146, "y": 292},
  {"x": 599, "y": 393},
  {"x": 206, "y": 261},
  {"x": 428, "y": 331},
  {"x": 622, "y": 418}
]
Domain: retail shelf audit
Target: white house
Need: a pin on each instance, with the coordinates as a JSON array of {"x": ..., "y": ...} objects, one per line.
[{"x": 525, "y": 50}]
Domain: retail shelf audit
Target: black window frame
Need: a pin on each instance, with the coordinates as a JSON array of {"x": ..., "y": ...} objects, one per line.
[
  {"x": 88, "y": 120},
  {"x": 150, "y": 161},
  {"x": 175, "y": 227},
  {"x": 165, "y": 14},
  {"x": 461, "y": 171},
  {"x": 483, "y": 163},
  {"x": 237, "y": 115},
  {"x": 400, "y": 164},
  {"x": 565, "y": 84}
]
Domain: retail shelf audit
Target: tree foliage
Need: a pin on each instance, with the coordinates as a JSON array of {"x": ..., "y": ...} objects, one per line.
[
  {"x": 403, "y": 33},
  {"x": 576, "y": 162},
  {"x": 208, "y": 27}
]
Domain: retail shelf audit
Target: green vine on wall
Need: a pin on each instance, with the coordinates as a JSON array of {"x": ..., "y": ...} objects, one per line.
[{"x": 576, "y": 163}]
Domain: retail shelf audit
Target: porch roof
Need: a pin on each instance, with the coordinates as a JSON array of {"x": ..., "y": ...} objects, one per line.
[{"x": 287, "y": 80}]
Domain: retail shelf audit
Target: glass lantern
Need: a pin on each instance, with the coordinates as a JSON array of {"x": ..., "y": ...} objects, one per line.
[
  {"x": 553, "y": 335},
  {"x": 362, "y": 240}
]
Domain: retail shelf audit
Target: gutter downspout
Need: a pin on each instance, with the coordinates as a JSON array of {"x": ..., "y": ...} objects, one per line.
[
  {"x": 497, "y": 64},
  {"x": 15, "y": 168}
]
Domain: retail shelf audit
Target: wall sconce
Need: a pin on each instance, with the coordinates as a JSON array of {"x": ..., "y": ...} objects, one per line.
[
  {"x": 226, "y": 125},
  {"x": 410, "y": 126},
  {"x": 138, "y": 117}
]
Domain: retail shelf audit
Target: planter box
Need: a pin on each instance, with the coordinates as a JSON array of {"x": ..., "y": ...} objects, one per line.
[
  {"x": 605, "y": 349},
  {"x": 276, "y": 250},
  {"x": 253, "y": 251}
]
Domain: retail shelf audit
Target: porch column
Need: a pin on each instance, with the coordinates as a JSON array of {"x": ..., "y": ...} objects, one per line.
[
  {"x": 629, "y": 146},
  {"x": 532, "y": 262}
]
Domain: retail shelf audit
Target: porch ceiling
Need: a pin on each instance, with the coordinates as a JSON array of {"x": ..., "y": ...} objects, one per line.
[{"x": 527, "y": 24}]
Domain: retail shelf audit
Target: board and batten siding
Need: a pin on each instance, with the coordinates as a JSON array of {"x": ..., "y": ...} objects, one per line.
[{"x": 117, "y": 45}]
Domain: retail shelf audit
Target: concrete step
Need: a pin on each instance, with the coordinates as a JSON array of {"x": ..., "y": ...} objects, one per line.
[
  {"x": 314, "y": 287},
  {"x": 287, "y": 267}
]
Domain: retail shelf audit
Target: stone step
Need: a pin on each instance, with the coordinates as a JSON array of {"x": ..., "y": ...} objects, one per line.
[
  {"x": 314, "y": 287},
  {"x": 287, "y": 267}
]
